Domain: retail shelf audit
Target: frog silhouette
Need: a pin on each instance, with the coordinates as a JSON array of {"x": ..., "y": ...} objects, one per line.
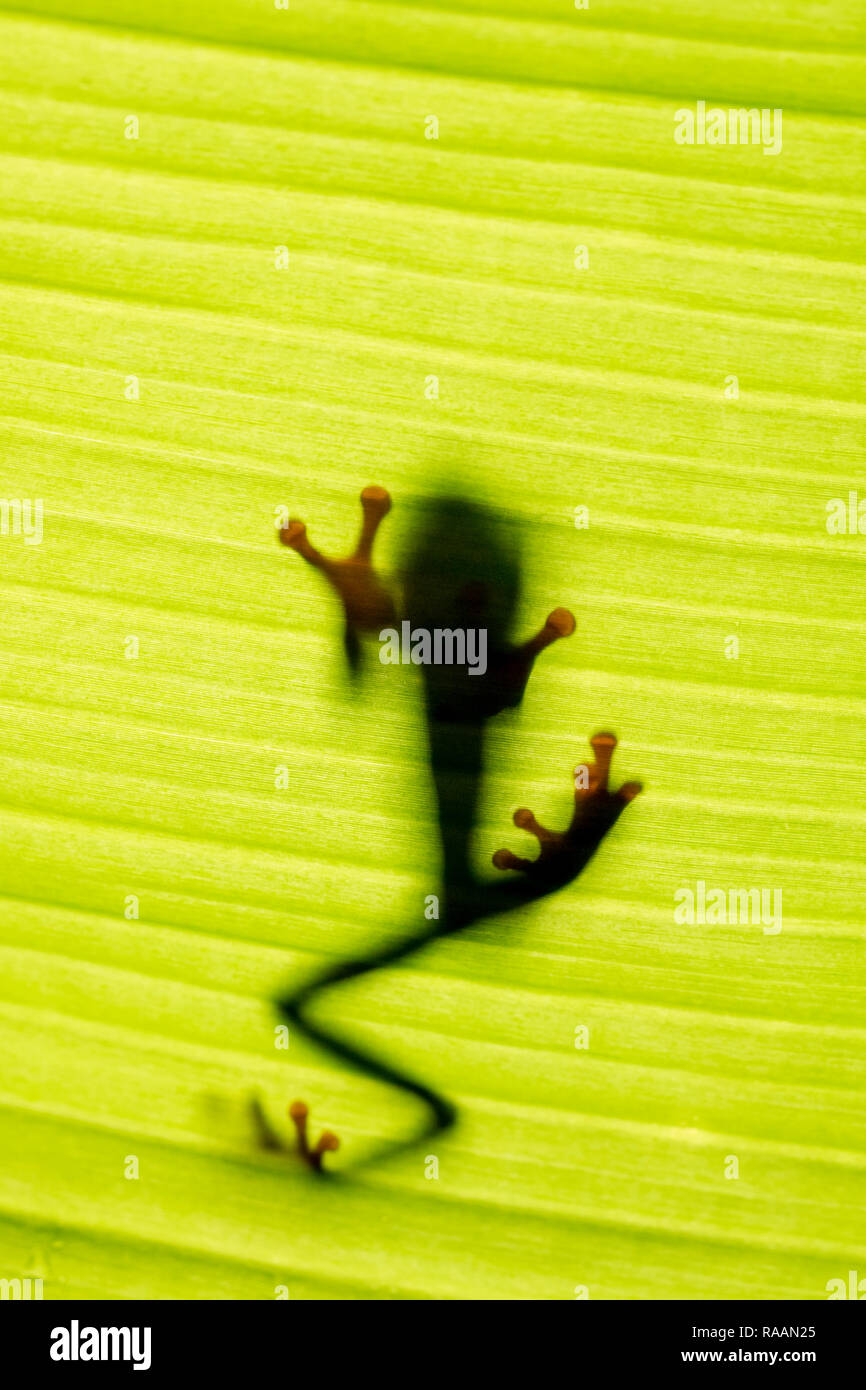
[{"x": 460, "y": 576}]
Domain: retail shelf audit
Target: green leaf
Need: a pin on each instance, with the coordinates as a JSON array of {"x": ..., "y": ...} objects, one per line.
[{"x": 167, "y": 388}]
